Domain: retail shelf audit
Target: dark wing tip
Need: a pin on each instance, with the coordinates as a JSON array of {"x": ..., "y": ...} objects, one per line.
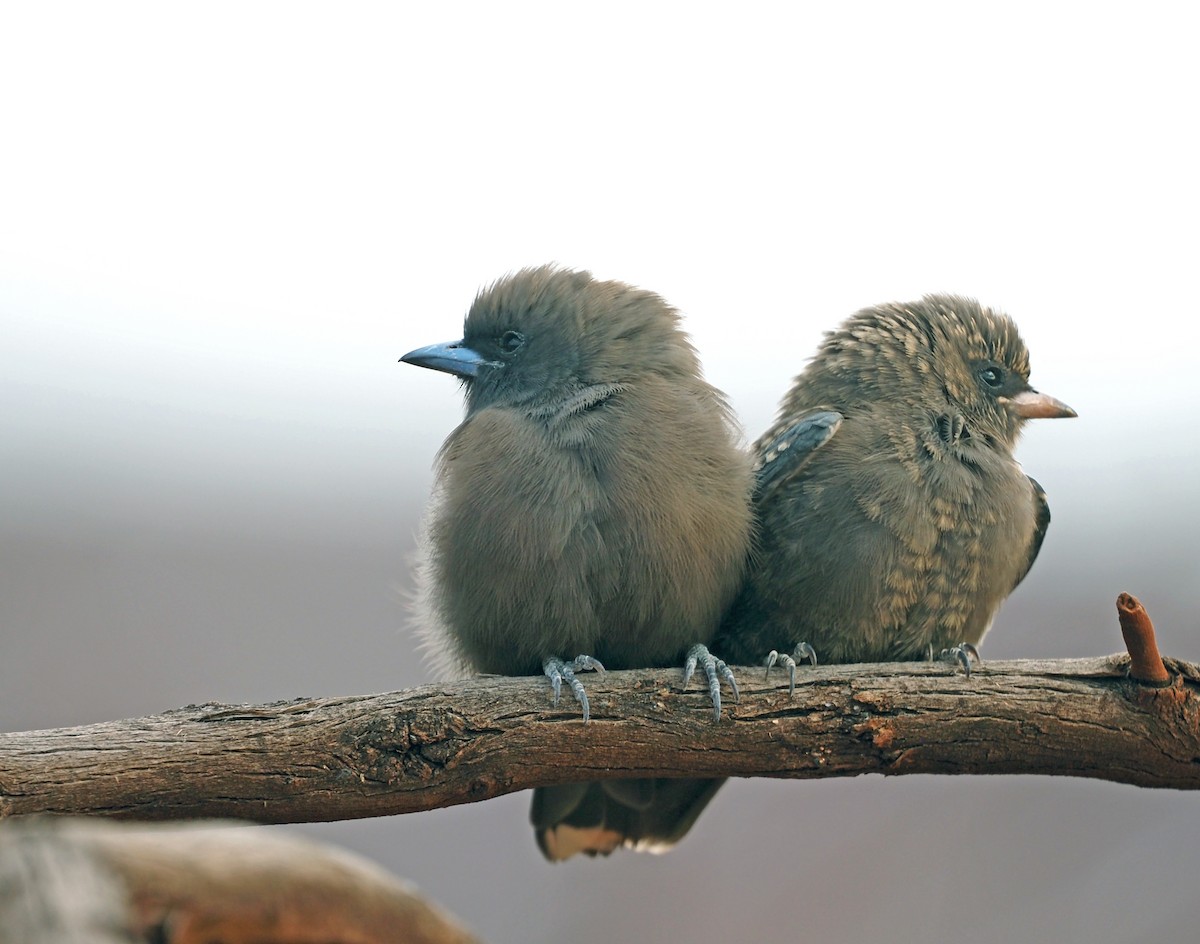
[
  {"x": 787, "y": 454},
  {"x": 1041, "y": 510}
]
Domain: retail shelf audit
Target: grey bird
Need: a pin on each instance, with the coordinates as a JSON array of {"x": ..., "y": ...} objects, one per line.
[
  {"x": 594, "y": 500},
  {"x": 894, "y": 519}
]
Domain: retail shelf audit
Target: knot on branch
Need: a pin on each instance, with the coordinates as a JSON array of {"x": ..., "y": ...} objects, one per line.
[{"x": 414, "y": 744}]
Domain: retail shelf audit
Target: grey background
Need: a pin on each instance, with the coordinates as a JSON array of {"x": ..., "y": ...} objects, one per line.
[{"x": 221, "y": 228}]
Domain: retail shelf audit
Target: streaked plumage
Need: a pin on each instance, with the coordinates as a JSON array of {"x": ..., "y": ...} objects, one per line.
[{"x": 907, "y": 522}]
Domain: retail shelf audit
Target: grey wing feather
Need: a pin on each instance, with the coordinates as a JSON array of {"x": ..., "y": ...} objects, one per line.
[
  {"x": 1042, "y": 522},
  {"x": 783, "y": 457}
]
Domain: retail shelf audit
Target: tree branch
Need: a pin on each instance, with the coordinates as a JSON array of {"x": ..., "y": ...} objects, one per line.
[{"x": 439, "y": 745}]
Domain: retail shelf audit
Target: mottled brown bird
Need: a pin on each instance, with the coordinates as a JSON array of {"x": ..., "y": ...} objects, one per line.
[
  {"x": 594, "y": 500},
  {"x": 894, "y": 519}
]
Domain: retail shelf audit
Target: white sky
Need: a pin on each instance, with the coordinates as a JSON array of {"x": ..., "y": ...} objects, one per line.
[{"x": 254, "y": 209}]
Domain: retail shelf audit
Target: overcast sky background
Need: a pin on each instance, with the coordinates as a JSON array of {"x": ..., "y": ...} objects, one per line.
[{"x": 221, "y": 225}]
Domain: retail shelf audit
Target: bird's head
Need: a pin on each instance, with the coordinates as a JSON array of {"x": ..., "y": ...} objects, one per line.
[
  {"x": 541, "y": 335},
  {"x": 944, "y": 352}
]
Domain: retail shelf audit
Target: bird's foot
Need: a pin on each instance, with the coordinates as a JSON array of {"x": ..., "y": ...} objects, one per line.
[
  {"x": 802, "y": 653},
  {"x": 962, "y": 654},
  {"x": 715, "y": 670},
  {"x": 558, "y": 672}
]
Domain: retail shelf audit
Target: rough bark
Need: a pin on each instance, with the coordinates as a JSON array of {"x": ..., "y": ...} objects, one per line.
[{"x": 321, "y": 759}]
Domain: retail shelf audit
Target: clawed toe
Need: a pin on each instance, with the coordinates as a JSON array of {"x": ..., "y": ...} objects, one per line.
[
  {"x": 558, "y": 671},
  {"x": 962, "y": 654},
  {"x": 802, "y": 653},
  {"x": 715, "y": 670}
]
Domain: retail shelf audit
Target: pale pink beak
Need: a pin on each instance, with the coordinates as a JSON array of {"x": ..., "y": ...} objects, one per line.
[{"x": 1033, "y": 405}]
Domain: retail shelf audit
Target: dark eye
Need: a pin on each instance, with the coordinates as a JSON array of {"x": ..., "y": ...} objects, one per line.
[
  {"x": 510, "y": 341},
  {"x": 992, "y": 376}
]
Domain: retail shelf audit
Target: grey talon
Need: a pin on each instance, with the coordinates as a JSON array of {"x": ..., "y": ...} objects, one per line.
[
  {"x": 587, "y": 664},
  {"x": 804, "y": 651},
  {"x": 961, "y": 655},
  {"x": 714, "y": 670},
  {"x": 772, "y": 658},
  {"x": 558, "y": 671},
  {"x": 727, "y": 675}
]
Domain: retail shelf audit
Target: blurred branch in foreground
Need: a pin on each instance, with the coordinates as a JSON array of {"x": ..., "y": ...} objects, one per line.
[
  {"x": 70, "y": 881},
  {"x": 323, "y": 759}
]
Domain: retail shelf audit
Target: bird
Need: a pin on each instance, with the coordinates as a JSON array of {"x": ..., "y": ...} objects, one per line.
[
  {"x": 893, "y": 517},
  {"x": 596, "y": 499}
]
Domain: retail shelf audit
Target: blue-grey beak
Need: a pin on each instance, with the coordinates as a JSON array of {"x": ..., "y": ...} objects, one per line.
[{"x": 454, "y": 357}]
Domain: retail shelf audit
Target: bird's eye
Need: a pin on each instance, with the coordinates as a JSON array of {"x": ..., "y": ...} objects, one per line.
[
  {"x": 510, "y": 341},
  {"x": 992, "y": 376}
]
